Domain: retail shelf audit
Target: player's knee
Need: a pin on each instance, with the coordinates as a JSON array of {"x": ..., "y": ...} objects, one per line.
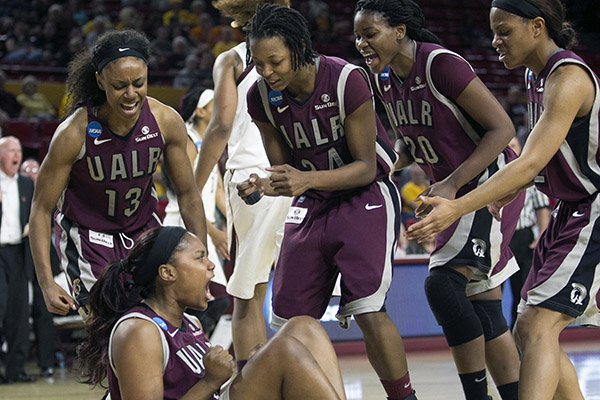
[
  {"x": 303, "y": 327},
  {"x": 445, "y": 290},
  {"x": 491, "y": 317}
]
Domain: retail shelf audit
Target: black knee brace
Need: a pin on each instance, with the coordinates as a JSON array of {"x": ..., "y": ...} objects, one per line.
[
  {"x": 491, "y": 317},
  {"x": 445, "y": 290}
]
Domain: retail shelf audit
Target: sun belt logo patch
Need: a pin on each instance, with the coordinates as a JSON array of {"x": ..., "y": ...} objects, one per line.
[
  {"x": 578, "y": 294},
  {"x": 479, "y": 247}
]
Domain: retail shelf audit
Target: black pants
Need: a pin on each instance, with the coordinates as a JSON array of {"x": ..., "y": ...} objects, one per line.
[
  {"x": 519, "y": 245},
  {"x": 14, "y": 308}
]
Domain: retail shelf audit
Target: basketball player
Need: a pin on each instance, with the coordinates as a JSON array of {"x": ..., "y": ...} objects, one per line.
[
  {"x": 100, "y": 167},
  {"x": 457, "y": 132},
  {"x": 254, "y": 231},
  {"x": 149, "y": 348},
  {"x": 329, "y": 152},
  {"x": 561, "y": 158}
]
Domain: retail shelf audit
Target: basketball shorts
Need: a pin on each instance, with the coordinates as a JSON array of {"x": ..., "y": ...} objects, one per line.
[
  {"x": 254, "y": 233},
  {"x": 85, "y": 253},
  {"x": 565, "y": 272},
  {"x": 354, "y": 236}
]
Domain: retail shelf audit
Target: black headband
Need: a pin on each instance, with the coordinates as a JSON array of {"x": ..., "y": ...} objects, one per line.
[
  {"x": 167, "y": 240},
  {"x": 106, "y": 55},
  {"x": 518, "y": 7}
]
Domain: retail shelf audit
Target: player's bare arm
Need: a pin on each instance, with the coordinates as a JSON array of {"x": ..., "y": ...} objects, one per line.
[
  {"x": 54, "y": 172},
  {"x": 227, "y": 68},
  {"x": 178, "y": 164},
  {"x": 567, "y": 95}
]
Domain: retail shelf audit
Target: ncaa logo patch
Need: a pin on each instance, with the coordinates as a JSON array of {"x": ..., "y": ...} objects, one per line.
[
  {"x": 94, "y": 129},
  {"x": 385, "y": 75},
  {"x": 479, "y": 247},
  {"x": 325, "y": 98},
  {"x": 162, "y": 324},
  {"x": 275, "y": 97},
  {"x": 145, "y": 130},
  {"x": 578, "y": 294}
]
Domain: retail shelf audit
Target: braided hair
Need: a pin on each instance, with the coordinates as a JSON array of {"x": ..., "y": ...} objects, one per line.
[
  {"x": 399, "y": 12},
  {"x": 288, "y": 24}
]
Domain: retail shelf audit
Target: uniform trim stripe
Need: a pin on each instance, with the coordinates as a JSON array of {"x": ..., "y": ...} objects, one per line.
[
  {"x": 467, "y": 127},
  {"x": 73, "y": 262},
  {"x": 588, "y": 170},
  {"x": 163, "y": 340},
  {"x": 376, "y": 301},
  {"x": 561, "y": 276},
  {"x": 264, "y": 95}
]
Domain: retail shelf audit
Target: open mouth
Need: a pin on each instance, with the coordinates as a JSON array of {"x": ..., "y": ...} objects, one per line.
[
  {"x": 129, "y": 107},
  {"x": 208, "y": 294},
  {"x": 370, "y": 58}
]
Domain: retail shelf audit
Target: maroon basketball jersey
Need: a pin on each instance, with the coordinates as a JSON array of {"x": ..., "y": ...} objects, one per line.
[
  {"x": 184, "y": 349},
  {"x": 438, "y": 133},
  {"x": 314, "y": 130},
  {"x": 110, "y": 187},
  {"x": 574, "y": 172}
]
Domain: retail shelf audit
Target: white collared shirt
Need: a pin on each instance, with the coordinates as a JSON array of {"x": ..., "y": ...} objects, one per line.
[{"x": 11, "y": 231}]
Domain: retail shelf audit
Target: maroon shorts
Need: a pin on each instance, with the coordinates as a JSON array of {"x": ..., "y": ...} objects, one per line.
[
  {"x": 85, "y": 253},
  {"x": 354, "y": 236}
]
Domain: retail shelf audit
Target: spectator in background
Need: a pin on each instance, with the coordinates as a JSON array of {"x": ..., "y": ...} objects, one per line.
[
  {"x": 188, "y": 75},
  {"x": 100, "y": 25},
  {"x": 179, "y": 52},
  {"x": 16, "y": 193},
  {"x": 410, "y": 192},
  {"x": 129, "y": 18},
  {"x": 9, "y": 106},
  {"x": 35, "y": 105},
  {"x": 177, "y": 14},
  {"x": 43, "y": 324},
  {"x": 225, "y": 42},
  {"x": 533, "y": 221}
]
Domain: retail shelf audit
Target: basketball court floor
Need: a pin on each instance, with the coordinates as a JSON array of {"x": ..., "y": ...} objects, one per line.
[{"x": 432, "y": 374}]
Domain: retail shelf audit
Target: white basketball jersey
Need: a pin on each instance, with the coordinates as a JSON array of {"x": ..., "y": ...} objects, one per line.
[{"x": 245, "y": 147}]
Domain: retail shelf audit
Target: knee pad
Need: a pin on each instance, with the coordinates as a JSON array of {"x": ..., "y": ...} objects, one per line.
[
  {"x": 445, "y": 290},
  {"x": 492, "y": 319}
]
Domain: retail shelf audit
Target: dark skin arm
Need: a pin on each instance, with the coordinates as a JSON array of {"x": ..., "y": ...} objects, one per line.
[{"x": 286, "y": 180}]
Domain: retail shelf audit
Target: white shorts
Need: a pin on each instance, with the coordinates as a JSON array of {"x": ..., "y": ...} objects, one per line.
[{"x": 256, "y": 230}]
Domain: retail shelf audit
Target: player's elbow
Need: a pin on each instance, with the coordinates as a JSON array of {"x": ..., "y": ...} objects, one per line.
[{"x": 368, "y": 173}]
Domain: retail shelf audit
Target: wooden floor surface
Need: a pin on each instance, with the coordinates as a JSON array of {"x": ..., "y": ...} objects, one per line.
[{"x": 432, "y": 374}]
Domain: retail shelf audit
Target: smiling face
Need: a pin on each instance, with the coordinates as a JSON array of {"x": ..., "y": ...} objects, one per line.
[
  {"x": 125, "y": 82},
  {"x": 11, "y": 155},
  {"x": 376, "y": 40},
  {"x": 194, "y": 272},
  {"x": 273, "y": 61},
  {"x": 514, "y": 38}
]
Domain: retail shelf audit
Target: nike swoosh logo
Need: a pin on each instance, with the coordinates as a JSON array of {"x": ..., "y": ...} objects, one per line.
[
  {"x": 387, "y": 88},
  {"x": 480, "y": 379},
  {"x": 97, "y": 141},
  {"x": 578, "y": 214},
  {"x": 369, "y": 207},
  {"x": 406, "y": 385},
  {"x": 282, "y": 109},
  {"x": 122, "y": 49},
  {"x": 174, "y": 333}
]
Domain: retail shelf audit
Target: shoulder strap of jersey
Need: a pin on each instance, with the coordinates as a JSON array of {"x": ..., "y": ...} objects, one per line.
[
  {"x": 468, "y": 128},
  {"x": 163, "y": 340}
]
